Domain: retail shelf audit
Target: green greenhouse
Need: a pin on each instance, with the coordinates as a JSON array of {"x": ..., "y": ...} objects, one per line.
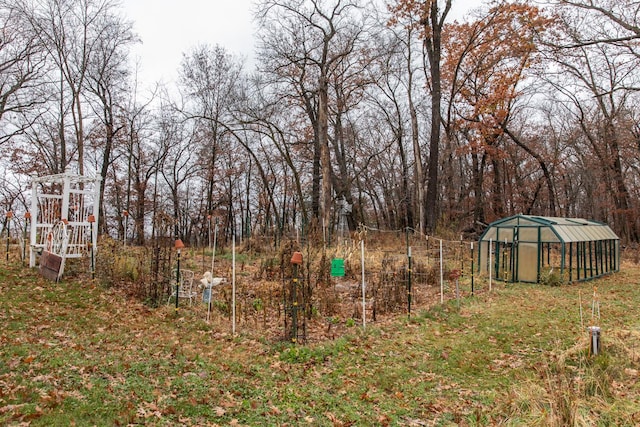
[{"x": 522, "y": 248}]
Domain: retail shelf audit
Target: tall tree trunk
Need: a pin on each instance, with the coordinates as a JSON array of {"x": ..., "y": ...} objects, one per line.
[
  {"x": 433, "y": 26},
  {"x": 140, "y": 189},
  {"x": 626, "y": 215},
  {"x": 415, "y": 139},
  {"x": 498, "y": 193},
  {"x": 478, "y": 178},
  {"x": 432, "y": 196},
  {"x": 61, "y": 132},
  {"x": 78, "y": 117},
  {"x": 325, "y": 155},
  {"x": 104, "y": 169}
]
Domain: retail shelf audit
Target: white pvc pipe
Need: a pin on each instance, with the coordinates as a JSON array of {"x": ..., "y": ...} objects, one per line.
[
  {"x": 441, "y": 275},
  {"x": 35, "y": 219},
  {"x": 364, "y": 301},
  {"x": 580, "y": 303},
  {"x": 213, "y": 258},
  {"x": 233, "y": 285}
]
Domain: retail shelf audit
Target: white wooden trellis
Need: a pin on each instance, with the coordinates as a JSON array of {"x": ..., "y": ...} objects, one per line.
[{"x": 70, "y": 198}]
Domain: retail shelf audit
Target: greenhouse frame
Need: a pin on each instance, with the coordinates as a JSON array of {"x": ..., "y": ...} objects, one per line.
[{"x": 523, "y": 248}]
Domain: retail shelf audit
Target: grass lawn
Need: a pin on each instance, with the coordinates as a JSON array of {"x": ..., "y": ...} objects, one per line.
[{"x": 76, "y": 353}]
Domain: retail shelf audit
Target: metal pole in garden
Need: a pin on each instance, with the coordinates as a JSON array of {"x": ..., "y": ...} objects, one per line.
[
  {"x": 9, "y": 216},
  {"x": 441, "y": 275},
  {"x": 209, "y": 226},
  {"x": 580, "y": 305},
  {"x": 490, "y": 263},
  {"x": 91, "y": 220},
  {"x": 409, "y": 283},
  {"x": 461, "y": 255},
  {"x": 233, "y": 283},
  {"x": 296, "y": 261},
  {"x": 126, "y": 225},
  {"x": 471, "y": 268},
  {"x": 215, "y": 241},
  {"x": 179, "y": 245},
  {"x": 294, "y": 305},
  {"x": 406, "y": 236},
  {"x": 213, "y": 258},
  {"x": 27, "y": 220},
  {"x": 364, "y": 301}
]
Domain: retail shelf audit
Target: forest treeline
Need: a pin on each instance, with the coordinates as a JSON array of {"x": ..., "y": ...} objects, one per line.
[{"x": 389, "y": 114}]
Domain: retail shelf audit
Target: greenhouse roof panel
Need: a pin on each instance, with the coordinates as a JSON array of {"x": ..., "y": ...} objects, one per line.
[
  {"x": 565, "y": 230},
  {"x": 572, "y": 233}
]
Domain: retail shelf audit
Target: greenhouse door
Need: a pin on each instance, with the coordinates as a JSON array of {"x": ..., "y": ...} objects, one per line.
[{"x": 526, "y": 268}]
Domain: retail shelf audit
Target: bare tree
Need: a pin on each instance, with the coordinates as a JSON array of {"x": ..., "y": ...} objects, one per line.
[
  {"x": 431, "y": 16},
  {"x": 145, "y": 150},
  {"x": 70, "y": 31},
  {"x": 21, "y": 65},
  {"x": 398, "y": 102},
  {"x": 107, "y": 85},
  {"x": 600, "y": 80},
  {"x": 178, "y": 164},
  {"x": 210, "y": 78},
  {"x": 302, "y": 51},
  {"x": 487, "y": 62},
  {"x": 610, "y": 21}
]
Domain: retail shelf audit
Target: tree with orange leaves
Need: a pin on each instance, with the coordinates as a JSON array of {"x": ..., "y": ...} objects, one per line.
[
  {"x": 485, "y": 63},
  {"x": 430, "y": 17}
]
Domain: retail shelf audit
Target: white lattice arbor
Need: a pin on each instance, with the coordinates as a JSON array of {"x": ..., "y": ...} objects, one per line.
[{"x": 69, "y": 198}]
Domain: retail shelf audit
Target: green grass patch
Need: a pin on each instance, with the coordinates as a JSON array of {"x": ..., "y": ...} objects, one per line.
[{"x": 77, "y": 353}]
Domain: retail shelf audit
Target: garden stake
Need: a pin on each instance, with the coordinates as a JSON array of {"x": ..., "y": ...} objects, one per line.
[
  {"x": 179, "y": 245},
  {"x": 91, "y": 220},
  {"x": 441, "y": 275},
  {"x": 580, "y": 302},
  {"x": 213, "y": 258},
  {"x": 490, "y": 265},
  {"x": 364, "y": 301},
  {"x": 233, "y": 283},
  {"x": 209, "y": 227},
  {"x": 296, "y": 261},
  {"x": 409, "y": 284},
  {"x": 126, "y": 226},
  {"x": 461, "y": 256},
  {"x": 27, "y": 217},
  {"x": 594, "y": 331},
  {"x": 9, "y": 216},
  {"x": 595, "y": 304},
  {"x": 294, "y": 307},
  {"x": 471, "y": 268},
  {"x": 406, "y": 236}
]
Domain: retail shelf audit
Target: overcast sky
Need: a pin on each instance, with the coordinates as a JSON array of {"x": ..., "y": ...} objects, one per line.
[{"x": 168, "y": 28}]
